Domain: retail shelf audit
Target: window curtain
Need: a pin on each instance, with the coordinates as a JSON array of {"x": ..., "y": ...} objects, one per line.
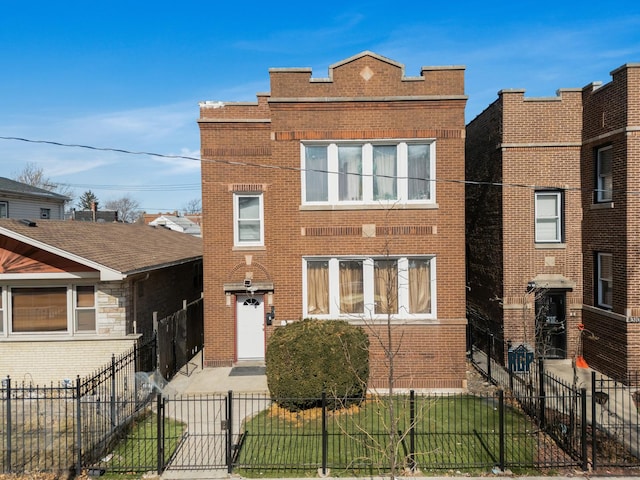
[
  {"x": 384, "y": 172},
  {"x": 39, "y": 309},
  {"x": 317, "y": 287},
  {"x": 316, "y": 176},
  {"x": 419, "y": 286},
  {"x": 386, "y": 286},
  {"x": 351, "y": 287},
  {"x": 350, "y": 169},
  {"x": 418, "y": 171}
]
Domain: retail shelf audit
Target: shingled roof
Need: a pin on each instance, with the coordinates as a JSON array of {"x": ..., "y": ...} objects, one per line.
[
  {"x": 18, "y": 188},
  {"x": 122, "y": 249}
]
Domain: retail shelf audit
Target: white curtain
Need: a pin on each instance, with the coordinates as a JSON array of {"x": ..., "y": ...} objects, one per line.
[
  {"x": 350, "y": 168},
  {"x": 316, "y": 176},
  {"x": 418, "y": 172},
  {"x": 384, "y": 172}
]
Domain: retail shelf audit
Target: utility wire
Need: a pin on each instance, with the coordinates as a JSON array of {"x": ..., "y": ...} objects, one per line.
[{"x": 273, "y": 167}]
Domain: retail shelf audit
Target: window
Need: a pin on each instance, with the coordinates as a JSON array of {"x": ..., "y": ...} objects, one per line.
[
  {"x": 85, "y": 308},
  {"x": 63, "y": 309},
  {"x": 548, "y": 213},
  {"x": 45, "y": 213},
  {"x": 365, "y": 173},
  {"x": 39, "y": 309},
  {"x": 1, "y": 312},
  {"x": 248, "y": 220},
  {"x": 4, "y": 210},
  {"x": 604, "y": 175},
  {"x": 604, "y": 269},
  {"x": 369, "y": 287}
]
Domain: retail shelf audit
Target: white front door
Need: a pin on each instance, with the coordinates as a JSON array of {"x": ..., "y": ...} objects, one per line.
[{"x": 250, "y": 327}]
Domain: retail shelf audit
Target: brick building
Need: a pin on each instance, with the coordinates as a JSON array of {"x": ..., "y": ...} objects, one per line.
[
  {"x": 322, "y": 200},
  {"x": 524, "y": 240},
  {"x": 552, "y": 235},
  {"x": 611, "y": 210}
]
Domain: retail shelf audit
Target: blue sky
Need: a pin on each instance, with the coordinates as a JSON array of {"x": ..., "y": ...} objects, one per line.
[{"x": 129, "y": 74}]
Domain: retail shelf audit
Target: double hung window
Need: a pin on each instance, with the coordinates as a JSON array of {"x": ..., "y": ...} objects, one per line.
[
  {"x": 604, "y": 271},
  {"x": 248, "y": 220},
  {"x": 604, "y": 174},
  {"x": 4, "y": 209},
  {"x": 369, "y": 287},
  {"x": 548, "y": 213},
  {"x": 354, "y": 173}
]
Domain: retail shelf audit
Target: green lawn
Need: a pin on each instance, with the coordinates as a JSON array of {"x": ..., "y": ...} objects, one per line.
[
  {"x": 451, "y": 432},
  {"x": 138, "y": 450}
]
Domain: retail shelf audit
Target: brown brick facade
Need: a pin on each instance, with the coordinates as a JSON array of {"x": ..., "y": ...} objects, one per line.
[
  {"x": 256, "y": 148},
  {"x": 515, "y": 148},
  {"x": 525, "y": 145}
]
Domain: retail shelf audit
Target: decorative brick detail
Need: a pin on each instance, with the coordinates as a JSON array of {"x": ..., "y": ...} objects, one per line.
[{"x": 247, "y": 187}]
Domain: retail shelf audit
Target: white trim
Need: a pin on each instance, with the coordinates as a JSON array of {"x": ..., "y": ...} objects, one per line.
[
  {"x": 369, "y": 288},
  {"x": 106, "y": 273},
  {"x": 557, "y": 218},
  {"x": 603, "y": 195},
  {"x": 236, "y": 219},
  {"x": 402, "y": 181}
]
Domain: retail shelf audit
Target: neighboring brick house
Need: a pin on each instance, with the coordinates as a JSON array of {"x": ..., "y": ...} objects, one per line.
[
  {"x": 74, "y": 293},
  {"x": 524, "y": 243},
  {"x": 322, "y": 200},
  {"x": 611, "y": 227},
  {"x": 20, "y": 200},
  {"x": 560, "y": 217}
]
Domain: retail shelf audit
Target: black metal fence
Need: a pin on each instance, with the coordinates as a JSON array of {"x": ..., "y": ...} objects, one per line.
[{"x": 593, "y": 418}]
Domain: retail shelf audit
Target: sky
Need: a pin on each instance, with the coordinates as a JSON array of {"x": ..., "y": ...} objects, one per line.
[{"x": 121, "y": 79}]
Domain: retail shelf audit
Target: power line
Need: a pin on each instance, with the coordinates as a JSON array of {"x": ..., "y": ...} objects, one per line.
[{"x": 273, "y": 167}]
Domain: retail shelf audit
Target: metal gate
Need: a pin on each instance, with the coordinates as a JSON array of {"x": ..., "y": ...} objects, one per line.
[
  {"x": 196, "y": 433},
  {"x": 203, "y": 432}
]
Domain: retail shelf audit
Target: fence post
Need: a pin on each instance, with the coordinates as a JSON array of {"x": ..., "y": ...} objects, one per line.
[
  {"x": 412, "y": 430},
  {"x": 489, "y": 348},
  {"x": 594, "y": 431},
  {"x": 501, "y": 427},
  {"x": 113, "y": 391},
  {"x": 325, "y": 436},
  {"x": 79, "y": 427},
  {"x": 160, "y": 432},
  {"x": 229, "y": 431},
  {"x": 541, "y": 393},
  {"x": 8, "y": 424},
  {"x": 583, "y": 429}
]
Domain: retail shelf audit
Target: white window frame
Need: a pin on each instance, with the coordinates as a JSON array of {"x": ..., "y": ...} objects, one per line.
[
  {"x": 601, "y": 281},
  {"x": 236, "y": 220},
  {"x": 369, "y": 289},
  {"x": 6, "y": 321},
  {"x": 77, "y": 308},
  {"x": 556, "y": 218},
  {"x": 402, "y": 185},
  {"x": 603, "y": 194},
  {"x": 4, "y": 209}
]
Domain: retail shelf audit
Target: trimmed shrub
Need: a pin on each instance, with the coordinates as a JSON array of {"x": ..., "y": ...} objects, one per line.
[{"x": 308, "y": 357}]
